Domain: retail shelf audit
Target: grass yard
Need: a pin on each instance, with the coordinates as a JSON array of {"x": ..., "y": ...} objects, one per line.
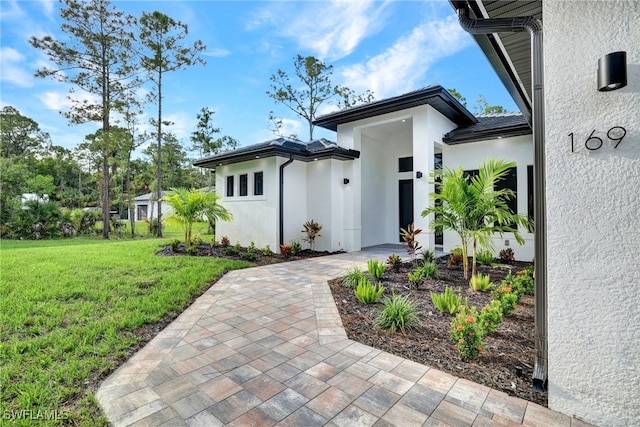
[{"x": 70, "y": 309}]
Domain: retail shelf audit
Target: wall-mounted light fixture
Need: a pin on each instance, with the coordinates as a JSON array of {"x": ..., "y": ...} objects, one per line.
[
  {"x": 418, "y": 174},
  {"x": 612, "y": 71},
  {"x": 345, "y": 181}
]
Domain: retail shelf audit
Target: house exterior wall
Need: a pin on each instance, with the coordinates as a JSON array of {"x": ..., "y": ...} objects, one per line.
[
  {"x": 255, "y": 218},
  {"x": 470, "y": 156},
  {"x": 593, "y": 200},
  {"x": 152, "y": 209}
]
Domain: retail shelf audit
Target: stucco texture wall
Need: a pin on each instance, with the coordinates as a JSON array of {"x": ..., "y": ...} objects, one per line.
[{"x": 593, "y": 205}]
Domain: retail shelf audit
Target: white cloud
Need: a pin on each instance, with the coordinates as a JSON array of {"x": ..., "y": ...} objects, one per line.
[
  {"x": 217, "y": 52},
  {"x": 60, "y": 101},
  {"x": 48, "y": 7},
  {"x": 12, "y": 70},
  {"x": 330, "y": 30},
  {"x": 403, "y": 66}
]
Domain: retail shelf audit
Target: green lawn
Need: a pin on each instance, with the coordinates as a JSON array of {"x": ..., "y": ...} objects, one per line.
[{"x": 69, "y": 309}]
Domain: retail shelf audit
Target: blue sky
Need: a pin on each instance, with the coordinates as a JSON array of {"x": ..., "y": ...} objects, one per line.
[{"x": 388, "y": 47}]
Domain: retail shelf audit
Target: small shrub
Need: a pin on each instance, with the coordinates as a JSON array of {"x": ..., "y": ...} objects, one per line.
[
  {"x": 428, "y": 256},
  {"x": 192, "y": 250},
  {"x": 491, "y": 316},
  {"x": 484, "y": 258},
  {"x": 399, "y": 312},
  {"x": 376, "y": 268},
  {"x": 353, "y": 277},
  {"x": 429, "y": 270},
  {"x": 368, "y": 293},
  {"x": 480, "y": 282},
  {"x": 507, "y": 256},
  {"x": 197, "y": 240},
  {"x": 508, "y": 299},
  {"x": 175, "y": 244},
  {"x": 238, "y": 246},
  {"x": 249, "y": 256},
  {"x": 312, "y": 230},
  {"x": 252, "y": 247},
  {"x": 224, "y": 242},
  {"x": 285, "y": 250},
  {"x": 395, "y": 262},
  {"x": 296, "y": 248},
  {"x": 415, "y": 277},
  {"x": 267, "y": 251},
  {"x": 467, "y": 333},
  {"x": 525, "y": 280},
  {"x": 447, "y": 302},
  {"x": 455, "y": 257},
  {"x": 230, "y": 251},
  {"x": 409, "y": 237}
]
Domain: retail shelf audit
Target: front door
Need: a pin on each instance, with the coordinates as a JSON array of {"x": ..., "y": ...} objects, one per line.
[{"x": 406, "y": 204}]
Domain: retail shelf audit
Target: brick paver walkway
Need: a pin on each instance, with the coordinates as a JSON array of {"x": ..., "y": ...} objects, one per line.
[{"x": 265, "y": 346}]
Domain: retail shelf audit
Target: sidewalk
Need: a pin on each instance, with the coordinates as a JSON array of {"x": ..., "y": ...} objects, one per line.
[{"x": 265, "y": 346}]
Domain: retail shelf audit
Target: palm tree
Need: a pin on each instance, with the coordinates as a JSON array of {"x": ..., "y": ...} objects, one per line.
[
  {"x": 473, "y": 208},
  {"x": 192, "y": 205}
]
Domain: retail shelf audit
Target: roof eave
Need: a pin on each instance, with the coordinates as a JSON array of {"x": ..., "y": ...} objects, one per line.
[
  {"x": 449, "y": 106},
  {"x": 476, "y": 136}
]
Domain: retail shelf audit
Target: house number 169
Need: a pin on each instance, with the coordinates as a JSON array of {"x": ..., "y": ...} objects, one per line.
[{"x": 592, "y": 143}]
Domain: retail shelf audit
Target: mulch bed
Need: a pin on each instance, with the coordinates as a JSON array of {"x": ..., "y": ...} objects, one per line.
[
  {"x": 509, "y": 350},
  {"x": 510, "y": 346}
]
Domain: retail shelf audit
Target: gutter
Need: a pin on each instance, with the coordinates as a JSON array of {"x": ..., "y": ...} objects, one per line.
[
  {"x": 534, "y": 27},
  {"x": 281, "y": 216}
]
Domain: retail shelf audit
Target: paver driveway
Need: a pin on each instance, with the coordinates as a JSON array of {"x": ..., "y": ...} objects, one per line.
[{"x": 265, "y": 346}]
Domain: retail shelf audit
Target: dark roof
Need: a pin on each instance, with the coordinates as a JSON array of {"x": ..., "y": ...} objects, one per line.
[
  {"x": 510, "y": 52},
  {"x": 489, "y": 126},
  {"x": 434, "y": 95},
  {"x": 284, "y": 147}
]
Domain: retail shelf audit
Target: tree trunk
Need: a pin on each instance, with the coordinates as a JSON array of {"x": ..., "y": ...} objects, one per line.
[{"x": 159, "y": 170}]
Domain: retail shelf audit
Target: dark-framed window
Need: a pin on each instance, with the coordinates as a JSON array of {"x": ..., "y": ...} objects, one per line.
[
  {"x": 258, "y": 184},
  {"x": 405, "y": 164},
  {"x": 510, "y": 182},
  {"x": 230, "y": 186},
  {"x": 244, "y": 185}
]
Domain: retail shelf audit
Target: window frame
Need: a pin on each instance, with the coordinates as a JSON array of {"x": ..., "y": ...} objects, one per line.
[
  {"x": 258, "y": 183},
  {"x": 243, "y": 185},
  {"x": 230, "y": 185}
]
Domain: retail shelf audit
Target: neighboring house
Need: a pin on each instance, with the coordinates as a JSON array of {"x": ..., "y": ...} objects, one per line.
[
  {"x": 588, "y": 320},
  {"x": 147, "y": 206},
  {"x": 374, "y": 180}
]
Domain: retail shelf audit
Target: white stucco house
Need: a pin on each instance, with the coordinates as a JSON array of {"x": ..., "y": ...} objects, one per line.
[
  {"x": 147, "y": 206},
  {"x": 577, "y": 149},
  {"x": 374, "y": 180}
]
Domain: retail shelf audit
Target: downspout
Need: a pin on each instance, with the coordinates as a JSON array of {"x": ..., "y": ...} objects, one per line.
[
  {"x": 281, "y": 216},
  {"x": 534, "y": 27}
]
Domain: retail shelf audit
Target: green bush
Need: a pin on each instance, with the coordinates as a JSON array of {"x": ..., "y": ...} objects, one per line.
[
  {"x": 353, "y": 277},
  {"x": 296, "y": 248},
  {"x": 175, "y": 244},
  {"x": 38, "y": 221},
  {"x": 524, "y": 279},
  {"x": 466, "y": 332},
  {"x": 267, "y": 251},
  {"x": 447, "y": 302},
  {"x": 376, "y": 268},
  {"x": 484, "y": 258},
  {"x": 480, "y": 282},
  {"x": 368, "y": 293},
  {"x": 429, "y": 270},
  {"x": 249, "y": 256},
  {"x": 399, "y": 312},
  {"x": 508, "y": 299},
  {"x": 395, "y": 262},
  {"x": 428, "y": 256},
  {"x": 192, "y": 250},
  {"x": 415, "y": 277},
  {"x": 252, "y": 247},
  {"x": 455, "y": 256},
  {"x": 230, "y": 250},
  {"x": 491, "y": 316}
]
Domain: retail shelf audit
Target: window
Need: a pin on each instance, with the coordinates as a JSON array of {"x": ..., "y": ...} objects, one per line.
[
  {"x": 258, "y": 188},
  {"x": 510, "y": 182},
  {"x": 230, "y": 186},
  {"x": 243, "y": 184},
  {"x": 470, "y": 174},
  {"x": 405, "y": 164}
]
